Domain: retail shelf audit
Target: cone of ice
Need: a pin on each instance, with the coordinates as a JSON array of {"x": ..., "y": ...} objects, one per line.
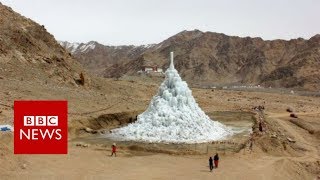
[{"x": 173, "y": 116}]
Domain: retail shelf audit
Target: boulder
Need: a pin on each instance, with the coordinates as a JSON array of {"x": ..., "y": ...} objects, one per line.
[
  {"x": 291, "y": 140},
  {"x": 274, "y": 136},
  {"x": 289, "y": 109},
  {"x": 82, "y": 145},
  {"x": 293, "y": 115},
  {"x": 88, "y": 130}
]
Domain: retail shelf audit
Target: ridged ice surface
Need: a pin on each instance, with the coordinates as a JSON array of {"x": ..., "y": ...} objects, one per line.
[{"x": 173, "y": 116}]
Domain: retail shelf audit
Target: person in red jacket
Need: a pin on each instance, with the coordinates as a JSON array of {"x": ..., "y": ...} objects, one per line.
[
  {"x": 114, "y": 150},
  {"x": 216, "y": 160}
]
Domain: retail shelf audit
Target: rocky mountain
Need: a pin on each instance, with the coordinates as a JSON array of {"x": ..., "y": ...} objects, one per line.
[
  {"x": 209, "y": 58},
  {"x": 29, "y": 53},
  {"x": 97, "y": 57}
]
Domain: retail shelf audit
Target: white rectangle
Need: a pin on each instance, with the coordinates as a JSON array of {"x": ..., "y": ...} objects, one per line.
[
  {"x": 28, "y": 120},
  {"x": 41, "y": 121},
  {"x": 52, "y": 120}
]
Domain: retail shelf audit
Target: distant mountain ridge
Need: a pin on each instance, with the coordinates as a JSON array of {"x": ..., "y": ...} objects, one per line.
[
  {"x": 78, "y": 47},
  {"x": 215, "y": 58},
  {"x": 96, "y": 57}
]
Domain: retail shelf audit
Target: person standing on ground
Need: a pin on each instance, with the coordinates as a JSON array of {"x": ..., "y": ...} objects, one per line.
[
  {"x": 210, "y": 164},
  {"x": 260, "y": 126},
  {"x": 216, "y": 160},
  {"x": 114, "y": 150},
  {"x": 251, "y": 143}
]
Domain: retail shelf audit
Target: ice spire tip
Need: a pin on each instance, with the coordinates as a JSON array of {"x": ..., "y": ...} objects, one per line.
[{"x": 171, "y": 60}]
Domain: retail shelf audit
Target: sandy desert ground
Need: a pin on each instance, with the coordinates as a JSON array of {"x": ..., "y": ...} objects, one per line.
[{"x": 273, "y": 156}]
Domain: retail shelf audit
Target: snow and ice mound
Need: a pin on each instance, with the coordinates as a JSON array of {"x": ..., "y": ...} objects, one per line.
[{"x": 173, "y": 116}]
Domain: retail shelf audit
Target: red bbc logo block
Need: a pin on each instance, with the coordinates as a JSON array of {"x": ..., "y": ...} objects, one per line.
[{"x": 40, "y": 127}]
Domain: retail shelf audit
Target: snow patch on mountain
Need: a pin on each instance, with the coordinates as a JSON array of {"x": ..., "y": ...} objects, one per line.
[{"x": 78, "y": 47}]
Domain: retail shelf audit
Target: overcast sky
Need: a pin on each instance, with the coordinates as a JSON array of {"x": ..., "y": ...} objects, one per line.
[{"x": 123, "y": 22}]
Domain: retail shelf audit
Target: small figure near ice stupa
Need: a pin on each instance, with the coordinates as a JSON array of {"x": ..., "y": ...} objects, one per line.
[
  {"x": 251, "y": 143},
  {"x": 210, "y": 163},
  {"x": 216, "y": 160},
  {"x": 260, "y": 126},
  {"x": 114, "y": 149}
]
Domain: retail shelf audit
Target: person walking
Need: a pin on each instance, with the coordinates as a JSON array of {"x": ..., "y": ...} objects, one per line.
[
  {"x": 216, "y": 160},
  {"x": 260, "y": 126},
  {"x": 210, "y": 164},
  {"x": 251, "y": 142},
  {"x": 251, "y": 145},
  {"x": 114, "y": 150}
]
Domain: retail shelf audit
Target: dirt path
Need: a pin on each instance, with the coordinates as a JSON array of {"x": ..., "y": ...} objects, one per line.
[{"x": 93, "y": 164}]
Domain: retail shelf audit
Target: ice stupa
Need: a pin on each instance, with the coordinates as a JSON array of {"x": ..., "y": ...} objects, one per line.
[{"x": 173, "y": 116}]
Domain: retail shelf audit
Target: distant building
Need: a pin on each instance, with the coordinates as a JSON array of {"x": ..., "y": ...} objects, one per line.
[
  {"x": 148, "y": 69},
  {"x": 151, "y": 71}
]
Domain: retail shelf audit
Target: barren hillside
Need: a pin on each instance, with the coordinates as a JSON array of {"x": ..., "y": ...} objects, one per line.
[{"x": 28, "y": 52}]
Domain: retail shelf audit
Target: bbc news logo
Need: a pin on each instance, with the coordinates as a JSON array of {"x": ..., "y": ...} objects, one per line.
[
  {"x": 40, "y": 127},
  {"x": 35, "y": 134}
]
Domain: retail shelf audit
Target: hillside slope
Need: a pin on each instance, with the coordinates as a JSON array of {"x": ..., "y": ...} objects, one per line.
[{"x": 29, "y": 53}]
